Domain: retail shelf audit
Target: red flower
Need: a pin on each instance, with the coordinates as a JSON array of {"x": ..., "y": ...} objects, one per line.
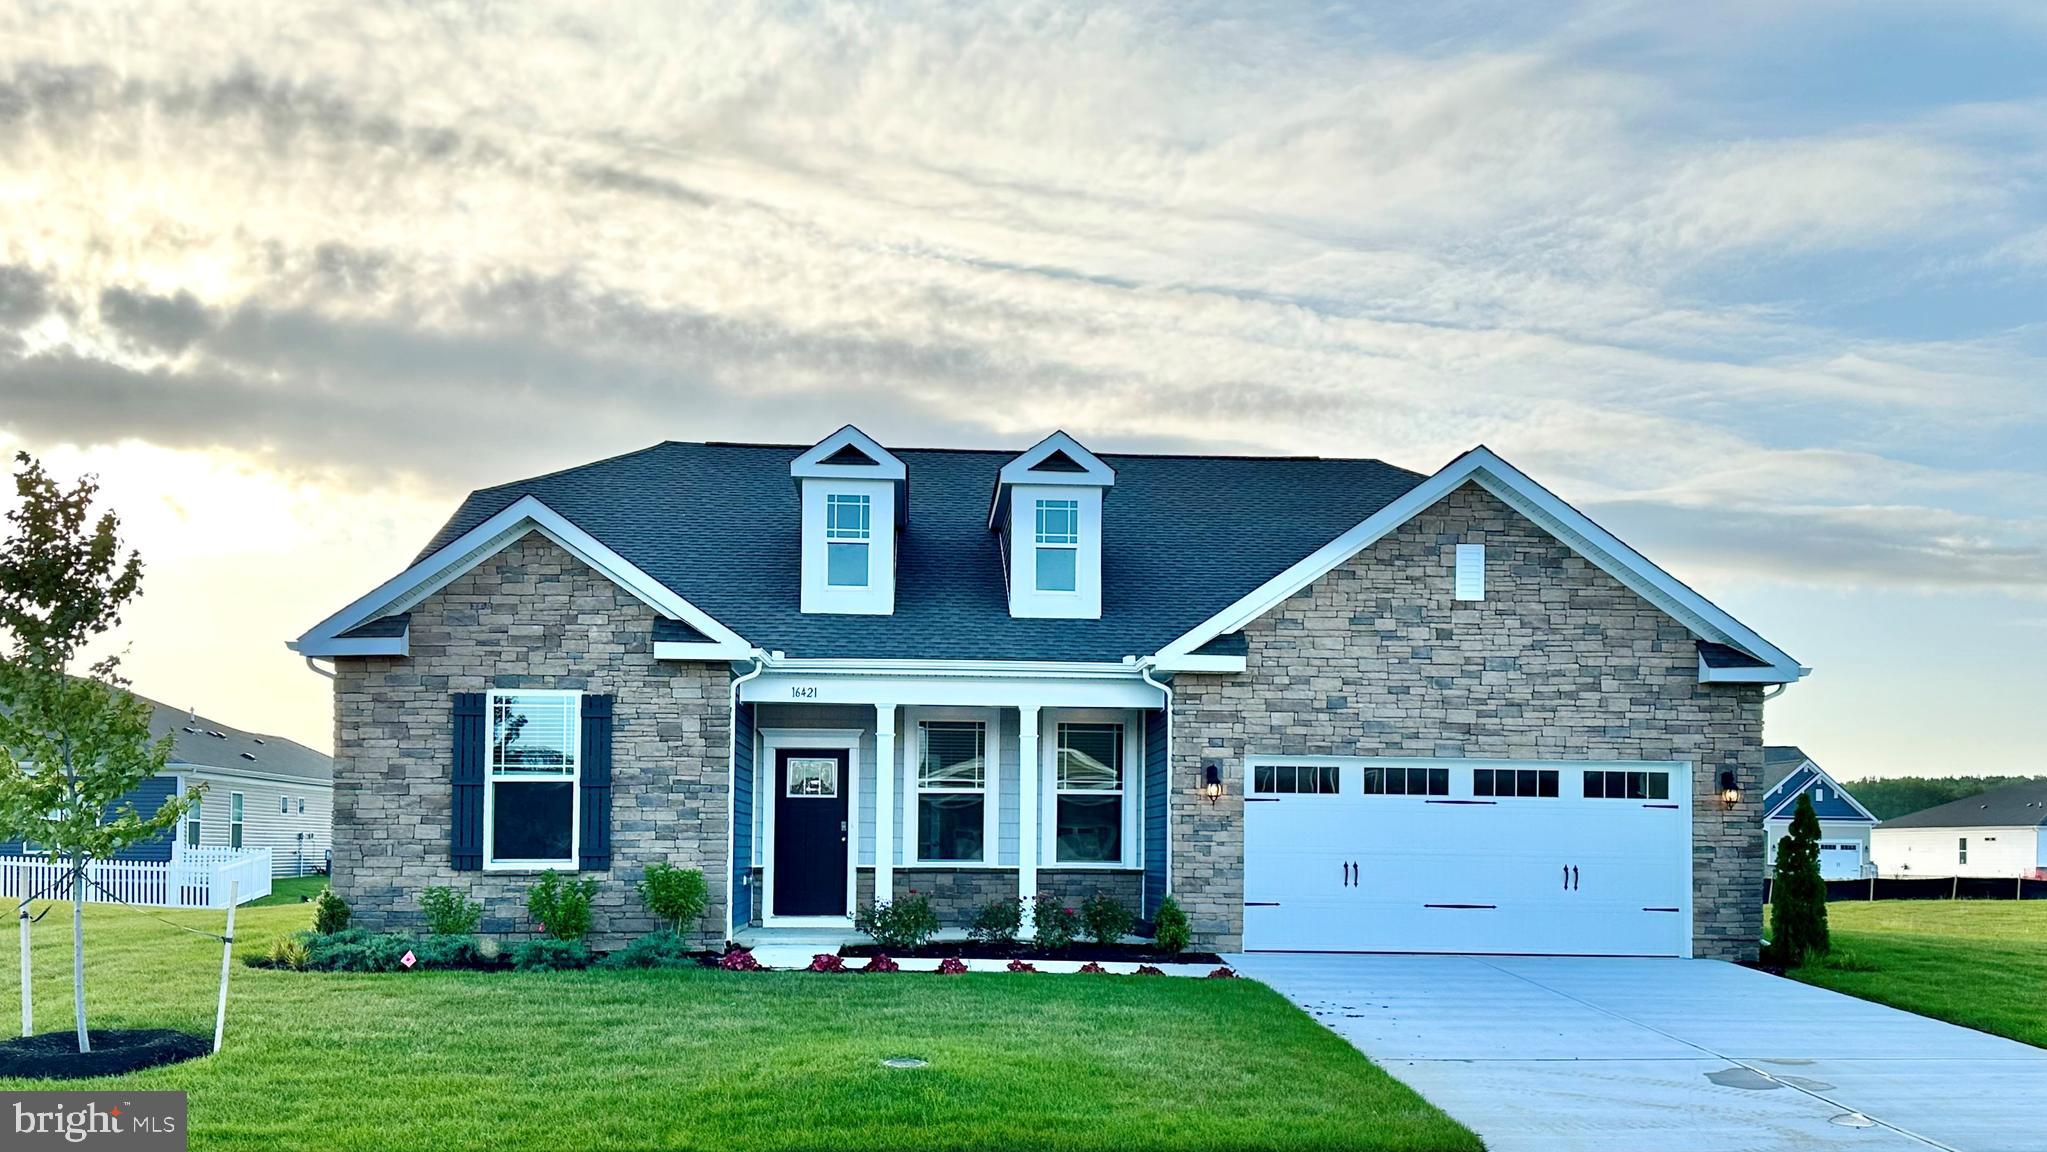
[
  {"x": 1091, "y": 966},
  {"x": 739, "y": 960},
  {"x": 1021, "y": 966},
  {"x": 827, "y": 962},
  {"x": 882, "y": 963},
  {"x": 951, "y": 966},
  {"x": 1150, "y": 970},
  {"x": 1223, "y": 973}
]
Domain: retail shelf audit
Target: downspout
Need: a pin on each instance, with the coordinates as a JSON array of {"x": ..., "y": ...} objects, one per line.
[
  {"x": 760, "y": 665},
  {"x": 1144, "y": 673},
  {"x": 318, "y": 669}
]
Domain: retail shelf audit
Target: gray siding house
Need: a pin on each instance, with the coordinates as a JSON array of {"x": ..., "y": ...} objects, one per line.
[
  {"x": 1322, "y": 704},
  {"x": 259, "y": 791}
]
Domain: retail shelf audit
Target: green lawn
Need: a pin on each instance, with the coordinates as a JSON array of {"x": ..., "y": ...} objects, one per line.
[
  {"x": 289, "y": 890},
  {"x": 724, "y": 1061},
  {"x": 1978, "y": 963}
]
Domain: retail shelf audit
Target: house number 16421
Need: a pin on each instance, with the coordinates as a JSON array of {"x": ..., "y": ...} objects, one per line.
[{"x": 803, "y": 691}]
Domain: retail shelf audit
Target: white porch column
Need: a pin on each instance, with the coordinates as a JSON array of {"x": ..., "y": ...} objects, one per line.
[
  {"x": 1027, "y": 814},
  {"x": 884, "y": 802}
]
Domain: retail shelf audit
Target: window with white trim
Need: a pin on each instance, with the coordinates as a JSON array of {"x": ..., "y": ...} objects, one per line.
[
  {"x": 848, "y": 529},
  {"x": 192, "y": 824},
  {"x": 1615, "y": 785},
  {"x": 1400, "y": 781},
  {"x": 1962, "y": 850},
  {"x": 1470, "y": 580},
  {"x": 1058, "y": 545},
  {"x": 284, "y": 805},
  {"x": 530, "y": 778},
  {"x": 1538, "y": 782},
  {"x": 952, "y": 792},
  {"x": 1296, "y": 779},
  {"x": 234, "y": 819},
  {"x": 1089, "y": 792}
]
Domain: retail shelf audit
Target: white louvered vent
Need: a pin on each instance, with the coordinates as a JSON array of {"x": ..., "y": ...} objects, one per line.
[{"x": 1470, "y": 572}]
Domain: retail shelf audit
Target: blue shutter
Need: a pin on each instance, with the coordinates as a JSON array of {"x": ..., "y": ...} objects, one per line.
[
  {"x": 465, "y": 809},
  {"x": 1157, "y": 823},
  {"x": 596, "y": 840}
]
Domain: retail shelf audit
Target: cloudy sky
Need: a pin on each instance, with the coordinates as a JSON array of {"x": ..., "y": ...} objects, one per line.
[{"x": 1763, "y": 288}]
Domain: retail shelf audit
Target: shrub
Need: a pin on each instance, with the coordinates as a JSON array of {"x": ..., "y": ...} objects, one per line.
[
  {"x": 676, "y": 895},
  {"x": 561, "y": 906},
  {"x": 951, "y": 966},
  {"x": 1107, "y": 918},
  {"x": 1094, "y": 968},
  {"x": 1169, "y": 929},
  {"x": 1022, "y": 966},
  {"x": 1798, "y": 896},
  {"x": 827, "y": 962},
  {"x": 997, "y": 922},
  {"x": 449, "y": 912},
  {"x": 330, "y": 913},
  {"x": 450, "y": 950},
  {"x": 663, "y": 949},
  {"x": 1223, "y": 973},
  {"x": 1056, "y": 928},
  {"x": 1149, "y": 970},
  {"x": 899, "y": 925},
  {"x": 549, "y": 954},
  {"x": 740, "y": 960},
  {"x": 289, "y": 952},
  {"x": 355, "y": 950},
  {"x": 881, "y": 963}
]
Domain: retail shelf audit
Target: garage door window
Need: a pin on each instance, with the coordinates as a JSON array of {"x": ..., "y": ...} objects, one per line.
[
  {"x": 1627, "y": 785},
  {"x": 1407, "y": 781},
  {"x": 1090, "y": 794},
  {"x": 1295, "y": 779},
  {"x": 1541, "y": 782}
]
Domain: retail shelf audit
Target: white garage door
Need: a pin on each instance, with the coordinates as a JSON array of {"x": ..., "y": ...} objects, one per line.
[{"x": 1532, "y": 857}]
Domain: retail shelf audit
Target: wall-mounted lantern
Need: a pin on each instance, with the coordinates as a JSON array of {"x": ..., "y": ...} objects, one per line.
[
  {"x": 1212, "y": 780},
  {"x": 1730, "y": 792}
]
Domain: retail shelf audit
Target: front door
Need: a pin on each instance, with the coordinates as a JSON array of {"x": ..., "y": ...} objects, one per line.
[{"x": 810, "y": 832}]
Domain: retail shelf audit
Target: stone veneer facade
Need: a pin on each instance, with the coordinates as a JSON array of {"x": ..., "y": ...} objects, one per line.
[
  {"x": 1560, "y": 660},
  {"x": 532, "y": 616}
]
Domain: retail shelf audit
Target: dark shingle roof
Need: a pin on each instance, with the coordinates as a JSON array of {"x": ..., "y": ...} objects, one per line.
[
  {"x": 2021, "y": 805},
  {"x": 203, "y": 743},
  {"x": 1183, "y": 538},
  {"x": 1779, "y": 761}
]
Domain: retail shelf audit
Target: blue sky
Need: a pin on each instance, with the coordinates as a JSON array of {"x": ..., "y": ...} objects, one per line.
[{"x": 1762, "y": 287}]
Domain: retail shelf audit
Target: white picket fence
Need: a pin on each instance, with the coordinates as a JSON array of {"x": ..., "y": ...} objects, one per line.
[{"x": 194, "y": 878}]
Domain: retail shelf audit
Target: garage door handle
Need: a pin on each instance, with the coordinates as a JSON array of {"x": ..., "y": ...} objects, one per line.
[{"x": 1574, "y": 877}]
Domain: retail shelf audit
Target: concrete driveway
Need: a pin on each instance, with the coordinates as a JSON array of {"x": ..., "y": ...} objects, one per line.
[{"x": 1550, "y": 1054}]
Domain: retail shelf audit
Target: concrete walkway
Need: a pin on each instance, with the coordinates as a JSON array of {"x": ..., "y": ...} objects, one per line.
[{"x": 1610, "y": 1055}]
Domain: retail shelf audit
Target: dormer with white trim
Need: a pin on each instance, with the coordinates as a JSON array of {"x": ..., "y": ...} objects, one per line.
[
  {"x": 1048, "y": 510},
  {"x": 854, "y": 496}
]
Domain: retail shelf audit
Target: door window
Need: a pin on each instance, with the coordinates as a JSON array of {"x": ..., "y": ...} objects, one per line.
[{"x": 813, "y": 776}]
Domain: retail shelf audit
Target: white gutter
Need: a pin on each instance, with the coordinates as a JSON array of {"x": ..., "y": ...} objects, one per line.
[
  {"x": 972, "y": 668},
  {"x": 760, "y": 665},
  {"x": 316, "y": 668}
]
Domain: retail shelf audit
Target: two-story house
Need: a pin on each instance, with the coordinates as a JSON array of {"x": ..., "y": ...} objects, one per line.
[{"x": 1325, "y": 704}]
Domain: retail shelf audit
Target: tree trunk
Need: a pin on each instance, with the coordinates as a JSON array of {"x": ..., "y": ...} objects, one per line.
[{"x": 78, "y": 948}]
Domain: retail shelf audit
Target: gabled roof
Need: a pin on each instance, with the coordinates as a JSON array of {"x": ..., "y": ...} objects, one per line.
[
  {"x": 199, "y": 742},
  {"x": 2021, "y": 805},
  {"x": 1513, "y": 488}
]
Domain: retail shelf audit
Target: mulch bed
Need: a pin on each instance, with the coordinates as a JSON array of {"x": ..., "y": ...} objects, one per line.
[
  {"x": 55, "y": 1055},
  {"x": 974, "y": 950}
]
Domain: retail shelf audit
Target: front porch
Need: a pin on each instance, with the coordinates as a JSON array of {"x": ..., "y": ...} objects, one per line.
[{"x": 853, "y": 788}]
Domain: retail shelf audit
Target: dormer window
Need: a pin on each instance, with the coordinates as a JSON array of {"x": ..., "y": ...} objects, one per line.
[
  {"x": 847, "y": 533},
  {"x": 1048, "y": 511},
  {"x": 1058, "y": 546},
  {"x": 854, "y": 496}
]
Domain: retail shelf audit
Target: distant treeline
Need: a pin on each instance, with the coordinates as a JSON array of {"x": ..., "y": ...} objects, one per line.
[{"x": 1898, "y": 795}]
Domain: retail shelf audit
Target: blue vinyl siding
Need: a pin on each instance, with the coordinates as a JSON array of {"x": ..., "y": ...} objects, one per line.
[
  {"x": 1155, "y": 800},
  {"x": 742, "y": 815},
  {"x": 147, "y": 797}
]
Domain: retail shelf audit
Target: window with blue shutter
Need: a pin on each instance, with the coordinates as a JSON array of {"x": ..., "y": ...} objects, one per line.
[{"x": 465, "y": 833}]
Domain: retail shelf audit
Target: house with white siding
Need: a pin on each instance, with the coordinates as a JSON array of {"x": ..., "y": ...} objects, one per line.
[
  {"x": 1995, "y": 834},
  {"x": 258, "y": 791}
]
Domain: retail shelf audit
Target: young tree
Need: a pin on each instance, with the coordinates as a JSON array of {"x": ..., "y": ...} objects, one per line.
[
  {"x": 1798, "y": 896},
  {"x": 71, "y": 746}
]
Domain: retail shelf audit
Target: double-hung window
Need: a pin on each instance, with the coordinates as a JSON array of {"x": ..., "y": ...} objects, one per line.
[
  {"x": 234, "y": 819},
  {"x": 192, "y": 824},
  {"x": 530, "y": 778},
  {"x": 952, "y": 792},
  {"x": 284, "y": 805},
  {"x": 1058, "y": 545},
  {"x": 847, "y": 533},
  {"x": 1089, "y": 794}
]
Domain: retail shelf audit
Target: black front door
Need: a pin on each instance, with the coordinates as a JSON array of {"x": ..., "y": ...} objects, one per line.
[{"x": 810, "y": 832}]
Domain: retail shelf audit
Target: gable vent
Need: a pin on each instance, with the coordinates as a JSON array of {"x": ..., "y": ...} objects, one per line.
[
  {"x": 850, "y": 455},
  {"x": 1470, "y": 581}
]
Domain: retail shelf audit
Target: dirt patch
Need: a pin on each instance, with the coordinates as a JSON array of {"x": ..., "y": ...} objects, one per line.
[
  {"x": 969, "y": 950},
  {"x": 55, "y": 1055}
]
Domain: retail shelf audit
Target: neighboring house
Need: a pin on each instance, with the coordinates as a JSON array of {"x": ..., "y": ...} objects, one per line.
[
  {"x": 1326, "y": 704},
  {"x": 1995, "y": 834},
  {"x": 1789, "y": 773},
  {"x": 261, "y": 791}
]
